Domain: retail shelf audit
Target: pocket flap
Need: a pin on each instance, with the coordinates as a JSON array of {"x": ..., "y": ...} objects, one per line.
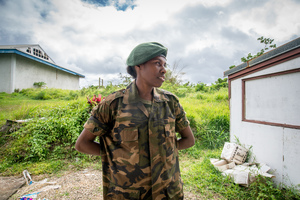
[{"x": 130, "y": 134}]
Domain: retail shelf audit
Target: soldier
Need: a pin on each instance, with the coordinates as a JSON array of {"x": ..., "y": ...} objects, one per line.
[{"x": 137, "y": 129}]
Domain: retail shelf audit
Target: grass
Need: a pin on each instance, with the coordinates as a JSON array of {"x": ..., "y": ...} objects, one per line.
[
  {"x": 201, "y": 178},
  {"x": 47, "y": 146},
  {"x": 16, "y": 106}
]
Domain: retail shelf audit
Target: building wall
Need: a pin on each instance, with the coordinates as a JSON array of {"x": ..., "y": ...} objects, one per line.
[
  {"x": 5, "y": 73},
  {"x": 23, "y": 72},
  {"x": 277, "y": 146}
]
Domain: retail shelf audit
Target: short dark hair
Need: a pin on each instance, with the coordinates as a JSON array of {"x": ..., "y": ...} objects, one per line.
[{"x": 131, "y": 70}]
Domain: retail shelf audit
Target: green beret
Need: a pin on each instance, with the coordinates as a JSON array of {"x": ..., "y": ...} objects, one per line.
[{"x": 144, "y": 52}]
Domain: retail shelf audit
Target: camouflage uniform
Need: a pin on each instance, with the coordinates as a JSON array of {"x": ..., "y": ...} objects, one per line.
[{"x": 139, "y": 145}]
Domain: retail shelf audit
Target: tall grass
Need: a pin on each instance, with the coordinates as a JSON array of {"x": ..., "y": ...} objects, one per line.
[
  {"x": 46, "y": 143},
  {"x": 209, "y": 117},
  {"x": 17, "y": 106},
  {"x": 58, "y": 116}
]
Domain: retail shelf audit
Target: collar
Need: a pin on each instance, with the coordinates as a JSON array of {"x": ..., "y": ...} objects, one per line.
[{"x": 131, "y": 94}]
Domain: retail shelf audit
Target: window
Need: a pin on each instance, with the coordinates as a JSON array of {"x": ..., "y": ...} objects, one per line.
[
  {"x": 28, "y": 50},
  {"x": 40, "y": 54}
]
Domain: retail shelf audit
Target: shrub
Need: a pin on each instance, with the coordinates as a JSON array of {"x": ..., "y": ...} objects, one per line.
[
  {"x": 55, "y": 134},
  {"x": 39, "y": 84},
  {"x": 201, "y": 87}
]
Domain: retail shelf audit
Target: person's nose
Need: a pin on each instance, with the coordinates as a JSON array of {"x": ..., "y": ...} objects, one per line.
[{"x": 163, "y": 70}]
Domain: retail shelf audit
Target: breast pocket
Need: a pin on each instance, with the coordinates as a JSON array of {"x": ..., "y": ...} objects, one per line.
[
  {"x": 127, "y": 148},
  {"x": 125, "y": 157}
]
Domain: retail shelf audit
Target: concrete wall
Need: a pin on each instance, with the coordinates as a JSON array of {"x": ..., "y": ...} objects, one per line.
[
  {"x": 277, "y": 146},
  {"x": 6, "y": 73},
  {"x": 23, "y": 72}
]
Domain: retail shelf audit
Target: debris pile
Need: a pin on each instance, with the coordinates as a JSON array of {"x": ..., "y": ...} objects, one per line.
[{"x": 233, "y": 164}]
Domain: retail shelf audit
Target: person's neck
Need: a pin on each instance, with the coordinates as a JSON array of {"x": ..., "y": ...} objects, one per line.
[{"x": 145, "y": 92}]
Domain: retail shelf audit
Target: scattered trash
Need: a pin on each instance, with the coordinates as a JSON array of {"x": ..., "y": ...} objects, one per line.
[
  {"x": 29, "y": 196},
  {"x": 233, "y": 164},
  {"x": 37, "y": 187},
  {"x": 27, "y": 177}
]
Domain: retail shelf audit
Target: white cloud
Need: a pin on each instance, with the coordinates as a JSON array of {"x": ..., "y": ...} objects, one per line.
[
  {"x": 207, "y": 36},
  {"x": 275, "y": 19}
]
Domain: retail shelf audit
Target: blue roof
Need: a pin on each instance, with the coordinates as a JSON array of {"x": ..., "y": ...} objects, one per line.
[{"x": 39, "y": 60}]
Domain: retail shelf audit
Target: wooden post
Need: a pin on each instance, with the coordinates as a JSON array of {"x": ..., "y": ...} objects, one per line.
[{"x": 99, "y": 82}]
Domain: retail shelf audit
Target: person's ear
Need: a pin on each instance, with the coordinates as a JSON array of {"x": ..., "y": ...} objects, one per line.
[{"x": 137, "y": 67}]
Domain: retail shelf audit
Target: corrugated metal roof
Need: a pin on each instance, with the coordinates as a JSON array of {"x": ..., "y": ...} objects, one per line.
[
  {"x": 266, "y": 56},
  {"x": 20, "y": 50}
]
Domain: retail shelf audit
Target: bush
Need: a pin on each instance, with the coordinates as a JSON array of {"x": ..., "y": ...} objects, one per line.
[
  {"x": 201, "y": 87},
  {"x": 54, "y": 135},
  {"x": 39, "y": 84}
]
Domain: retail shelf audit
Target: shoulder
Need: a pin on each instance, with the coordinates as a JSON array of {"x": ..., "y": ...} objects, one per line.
[
  {"x": 168, "y": 95},
  {"x": 114, "y": 96}
]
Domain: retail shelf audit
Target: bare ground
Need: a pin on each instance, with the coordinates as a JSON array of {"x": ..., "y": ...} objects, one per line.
[{"x": 83, "y": 184}]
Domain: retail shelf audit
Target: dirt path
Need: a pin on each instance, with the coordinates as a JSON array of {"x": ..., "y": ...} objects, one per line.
[{"x": 83, "y": 184}]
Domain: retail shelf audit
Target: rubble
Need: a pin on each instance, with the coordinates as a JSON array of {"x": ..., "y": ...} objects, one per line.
[{"x": 233, "y": 165}]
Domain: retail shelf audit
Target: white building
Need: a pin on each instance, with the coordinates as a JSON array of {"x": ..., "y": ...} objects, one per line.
[
  {"x": 265, "y": 109},
  {"x": 23, "y": 65}
]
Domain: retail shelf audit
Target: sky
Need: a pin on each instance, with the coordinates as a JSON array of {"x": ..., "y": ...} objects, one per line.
[{"x": 94, "y": 37}]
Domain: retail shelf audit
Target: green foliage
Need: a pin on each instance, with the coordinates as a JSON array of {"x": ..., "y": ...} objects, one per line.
[
  {"x": 178, "y": 90},
  {"x": 17, "y": 106},
  {"x": 201, "y": 177},
  {"x": 201, "y": 87},
  {"x": 268, "y": 44},
  {"x": 50, "y": 93},
  {"x": 52, "y": 136},
  {"x": 126, "y": 79},
  {"x": 46, "y": 143},
  {"x": 39, "y": 84},
  {"x": 220, "y": 83},
  {"x": 208, "y": 114}
]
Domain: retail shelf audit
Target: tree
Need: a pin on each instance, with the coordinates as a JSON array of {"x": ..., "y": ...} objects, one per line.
[
  {"x": 220, "y": 83},
  {"x": 126, "y": 79},
  {"x": 268, "y": 45}
]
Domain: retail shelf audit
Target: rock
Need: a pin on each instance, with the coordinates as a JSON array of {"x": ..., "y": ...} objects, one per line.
[{"x": 9, "y": 186}]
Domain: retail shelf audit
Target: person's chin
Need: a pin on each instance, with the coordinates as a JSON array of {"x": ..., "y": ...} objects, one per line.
[{"x": 158, "y": 84}]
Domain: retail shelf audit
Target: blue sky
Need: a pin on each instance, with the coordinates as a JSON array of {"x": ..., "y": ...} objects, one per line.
[
  {"x": 119, "y": 5},
  {"x": 94, "y": 38}
]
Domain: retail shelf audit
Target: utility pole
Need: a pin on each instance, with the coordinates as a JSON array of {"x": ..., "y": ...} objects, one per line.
[{"x": 100, "y": 81}]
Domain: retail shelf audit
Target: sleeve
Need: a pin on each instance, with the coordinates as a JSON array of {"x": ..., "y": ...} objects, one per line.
[
  {"x": 181, "y": 120},
  {"x": 100, "y": 121}
]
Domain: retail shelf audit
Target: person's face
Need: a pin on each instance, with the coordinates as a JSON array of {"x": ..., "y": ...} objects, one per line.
[{"x": 153, "y": 71}]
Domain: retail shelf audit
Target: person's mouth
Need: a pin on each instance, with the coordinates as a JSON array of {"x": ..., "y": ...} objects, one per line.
[{"x": 162, "y": 78}]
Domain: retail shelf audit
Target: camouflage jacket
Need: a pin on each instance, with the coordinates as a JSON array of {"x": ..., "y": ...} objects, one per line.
[{"x": 139, "y": 145}]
